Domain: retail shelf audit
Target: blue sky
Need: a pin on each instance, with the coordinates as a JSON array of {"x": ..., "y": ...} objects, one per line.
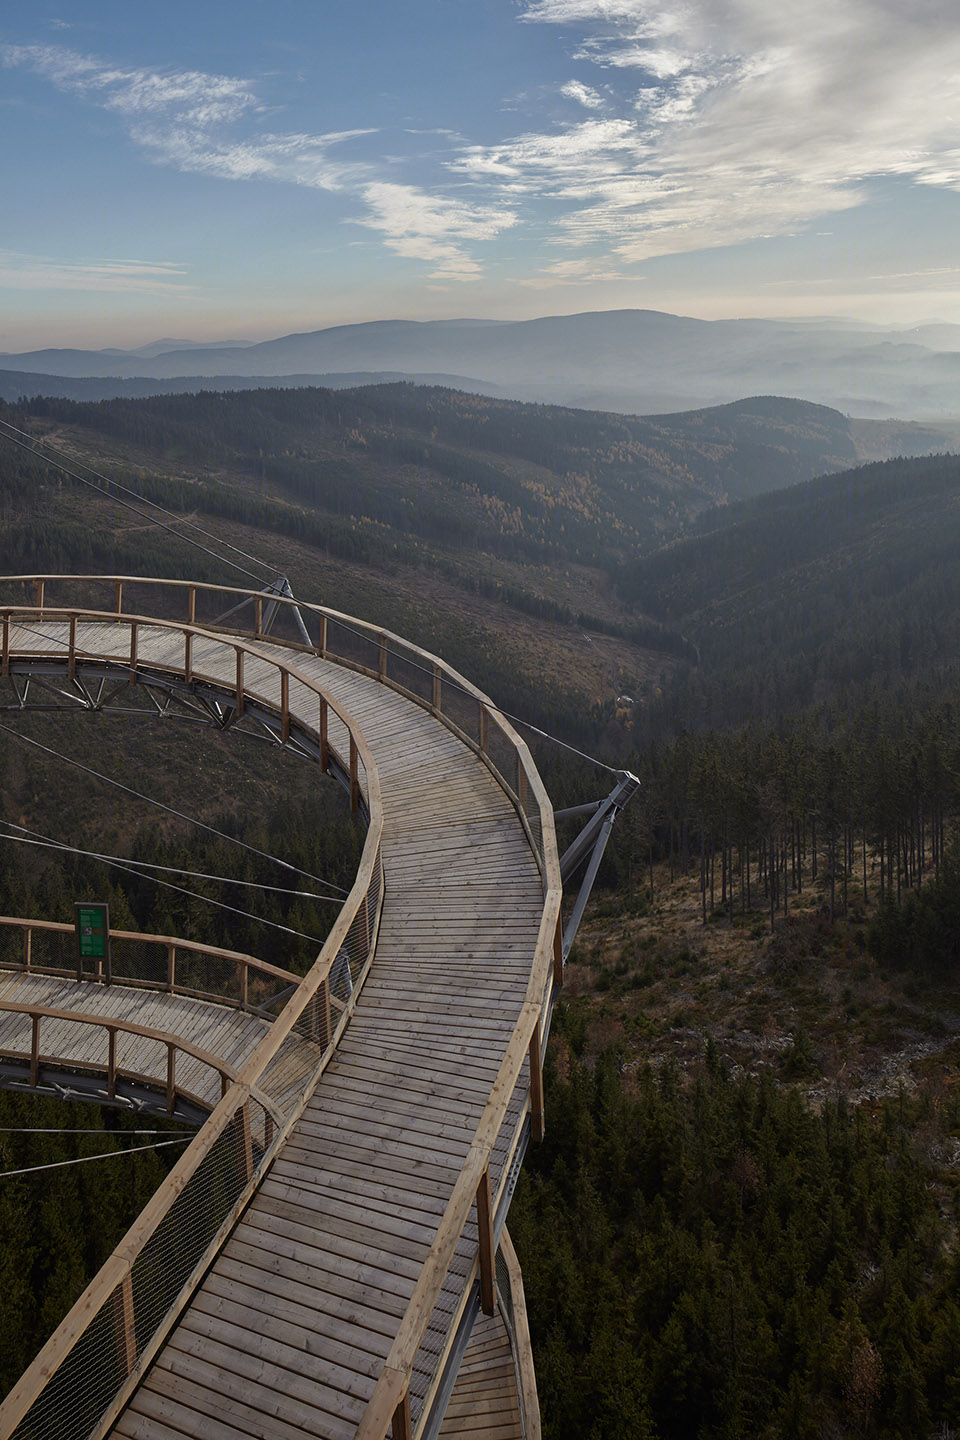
[{"x": 230, "y": 169}]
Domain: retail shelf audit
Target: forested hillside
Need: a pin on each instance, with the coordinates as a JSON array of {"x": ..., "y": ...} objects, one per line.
[
  {"x": 742, "y": 1222},
  {"x": 538, "y": 480}
]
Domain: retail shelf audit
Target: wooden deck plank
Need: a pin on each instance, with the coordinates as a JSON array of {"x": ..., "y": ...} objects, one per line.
[
  {"x": 273, "y": 1373},
  {"x": 296, "y": 1316},
  {"x": 202, "y": 1403}
]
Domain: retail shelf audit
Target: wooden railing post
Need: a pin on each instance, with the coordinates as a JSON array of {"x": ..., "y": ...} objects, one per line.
[
  {"x": 521, "y": 780},
  {"x": 483, "y": 728},
  {"x": 402, "y": 1427},
  {"x": 171, "y": 968},
  {"x": 284, "y": 706},
  {"x": 6, "y": 644},
  {"x": 363, "y": 918},
  {"x": 323, "y": 637},
  {"x": 322, "y": 1016},
  {"x": 488, "y": 1273},
  {"x": 188, "y": 656},
  {"x": 192, "y": 605},
  {"x": 244, "y": 985},
  {"x": 383, "y": 657},
  {"x": 354, "y": 778},
  {"x": 244, "y": 1141},
  {"x": 171, "y": 1077},
  {"x": 27, "y": 947},
  {"x": 558, "y": 955},
  {"x": 239, "y": 682},
  {"x": 324, "y": 743},
  {"x": 111, "y": 1061},
  {"x": 38, "y": 591},
  {"x": 118, "y": 596},
  {"x": 35, "y": 1051},
  {"x": 536, "y": 1086},
  {"x": 133, "y": 651},
  {"x": 124, "y": 1325},
  {"x": 258, "y": 618},
  {"x": 72, "y": 649},
  {"x": 437, "y": 690}
]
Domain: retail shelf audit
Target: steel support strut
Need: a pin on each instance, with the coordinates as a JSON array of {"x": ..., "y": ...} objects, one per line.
[
  {"x": 590, "y": 845},
  {"x": 280, "y": 589}
]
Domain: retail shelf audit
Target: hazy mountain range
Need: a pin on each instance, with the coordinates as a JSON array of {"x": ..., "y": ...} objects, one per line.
[{"x": 632, "y": 361}]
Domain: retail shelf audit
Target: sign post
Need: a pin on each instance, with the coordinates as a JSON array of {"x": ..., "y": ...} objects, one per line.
[{"x": 93, "y": 938}]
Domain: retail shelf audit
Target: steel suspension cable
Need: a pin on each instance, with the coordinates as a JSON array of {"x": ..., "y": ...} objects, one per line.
[
  {"x": 169, "y": 809},
  {"x": 67, "y": 1130},
  {"x": 86, "y": 1159},
  {"x": 47, "y": 842},
  {"x": 30, "y": 443},
  {"x": 192, "y": 894}
]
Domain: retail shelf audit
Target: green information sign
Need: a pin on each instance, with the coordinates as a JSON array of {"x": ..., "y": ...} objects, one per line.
[{"x": 93, "y": 936}]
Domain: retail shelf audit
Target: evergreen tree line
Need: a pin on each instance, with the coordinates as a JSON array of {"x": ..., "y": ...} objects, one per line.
[
  {"x": 310, "y": 836},
  {"x": 716, "y": 1259},
  {"x": 850, "y": 808},
  {"x": 59, "y": 1226}
]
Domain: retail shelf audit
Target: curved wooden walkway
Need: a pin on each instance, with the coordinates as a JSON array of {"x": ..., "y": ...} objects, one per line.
[
  {"x": 326, "y": 1311},
  {"x": 290, "y": 1330},
  {"x": 212, "y": 1042}
]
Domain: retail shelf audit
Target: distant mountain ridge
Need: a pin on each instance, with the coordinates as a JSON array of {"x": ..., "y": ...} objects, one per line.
[
  {"x": 629, "y": 361},
  {"x": 19, "y": 384}
]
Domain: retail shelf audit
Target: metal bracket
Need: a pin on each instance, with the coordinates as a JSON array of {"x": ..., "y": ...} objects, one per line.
[
  {"x": 590, "y": 845},
  {"x": 280, "y": 589}
]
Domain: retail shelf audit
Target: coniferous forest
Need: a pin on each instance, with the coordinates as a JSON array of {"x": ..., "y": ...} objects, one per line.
[{"x": 726, "y": 1232}]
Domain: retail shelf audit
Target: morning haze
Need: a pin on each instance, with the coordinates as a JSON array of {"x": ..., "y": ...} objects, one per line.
[{"x": 461, "y": 453}]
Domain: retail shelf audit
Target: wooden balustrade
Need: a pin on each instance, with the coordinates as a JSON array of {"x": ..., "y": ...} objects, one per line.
[
  {"x": 524, "y": 786},
  {"x": 173, "y": 947},
  {"x": 115, "y": 1277},
  {"x": 389, "y": 1409},
  {"x": 113, "y": 1026}
]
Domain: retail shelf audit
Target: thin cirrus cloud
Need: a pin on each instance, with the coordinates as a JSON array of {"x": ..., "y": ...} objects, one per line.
[
  {"x": 188, "y": 119},
  {"x": 427, "y": 227},
  {"x": 746, "y": 119},
  {"x": 194, "y": 98},
  {"x": 42, "y": 272},
  {"x": 698, "y": 124}
]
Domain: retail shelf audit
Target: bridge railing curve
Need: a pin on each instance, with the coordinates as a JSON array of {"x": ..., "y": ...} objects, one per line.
[
  {"x": 167, "y": 963},
  {"x": 81, "y": 1378},
  {"x": 402, "y": 1397},
  {"x": 66, "y": 1022}
]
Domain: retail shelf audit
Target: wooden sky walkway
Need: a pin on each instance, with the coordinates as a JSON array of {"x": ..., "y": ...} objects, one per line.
[{"x": 372, "y": 1190}]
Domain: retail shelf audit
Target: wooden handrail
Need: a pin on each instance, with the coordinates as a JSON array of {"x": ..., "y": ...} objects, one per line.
[
  {"x": 380, "y": 639},
  {"x": 523, "y": 1355},
  {"x": 390, "y": 1398},
  {"x": 115, "y": 1272},
  {"x": 112, "y": 1024},
  {"x": 194, "y": 947}
]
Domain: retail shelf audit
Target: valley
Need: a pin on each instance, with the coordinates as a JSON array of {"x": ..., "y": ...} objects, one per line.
[{"x": 765, "y": 630}]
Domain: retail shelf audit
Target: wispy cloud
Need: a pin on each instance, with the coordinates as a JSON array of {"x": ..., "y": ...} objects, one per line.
[
  {"x": 419, "y": 226},
  {"x": 574, "y": 272},
  {"x": 189, "y": 97},
  {"x": 190, "y": 120},
  {"x": 747, "y": 118},
  {"x": 292, "y": 159},
  {"x": 42, "y": 272},
  {"x": 933, "y": 271},
  {"x": 589, "y": 99},
  {"x": 591, "y": 152}
]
